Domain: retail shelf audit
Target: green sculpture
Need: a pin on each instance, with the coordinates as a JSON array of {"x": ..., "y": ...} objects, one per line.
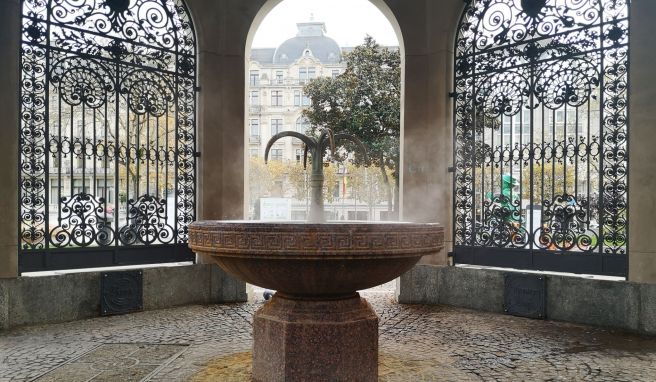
[{"x": 507, "y": 200}]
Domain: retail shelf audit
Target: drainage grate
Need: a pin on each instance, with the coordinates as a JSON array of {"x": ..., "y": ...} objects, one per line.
[
  {"x": 121, "y": 292},
  {"x": 525, "y": 295}
]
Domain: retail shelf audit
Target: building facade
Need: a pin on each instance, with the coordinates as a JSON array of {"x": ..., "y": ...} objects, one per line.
[
  {"x": 275, "y": 87},
  {"x": 276, "y": 99}
]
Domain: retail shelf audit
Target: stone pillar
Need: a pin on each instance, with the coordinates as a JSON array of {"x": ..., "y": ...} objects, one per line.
[
  {"x": 221, "y": 28},
  {"x": 10, "y": 30},
  {"x": 642, "y": 136},
  {"x": 427, "y": 154}
]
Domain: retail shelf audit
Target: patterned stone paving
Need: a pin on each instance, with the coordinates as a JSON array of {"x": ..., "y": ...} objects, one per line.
[{"x": 417, "y": 342}]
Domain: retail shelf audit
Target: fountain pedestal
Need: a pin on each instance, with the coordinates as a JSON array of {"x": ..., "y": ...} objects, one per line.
[
  {"x": 330, "y": 340},
  {"x": 316, "y": 327}
]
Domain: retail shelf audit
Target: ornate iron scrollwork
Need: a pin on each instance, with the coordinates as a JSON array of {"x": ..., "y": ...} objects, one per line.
[
  {"x": 108, "y": 103},
  {"x": 541, "y": 97},
  {"x": 502, "y": 224},
  {"x": 565, "y": 225},
  {"x": 83, "y": 223},
  {"x": 147, "y": 222}
]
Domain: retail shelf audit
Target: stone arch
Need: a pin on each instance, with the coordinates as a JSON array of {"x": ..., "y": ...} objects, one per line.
[{"x": 385, "y": 9}]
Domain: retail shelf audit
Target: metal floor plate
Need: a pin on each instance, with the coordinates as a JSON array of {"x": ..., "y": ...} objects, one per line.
[{"x": 115, "y": 362}]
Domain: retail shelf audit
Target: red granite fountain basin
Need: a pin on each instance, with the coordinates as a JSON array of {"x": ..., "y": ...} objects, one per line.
[
  {"x": 316, "y": 327},
  {"x": 315, "y": 260}
]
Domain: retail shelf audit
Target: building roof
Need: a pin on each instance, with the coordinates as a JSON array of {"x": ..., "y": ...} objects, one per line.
[
  {"x": 263, "y": 55},
  {"x": 310, "y": 39}
]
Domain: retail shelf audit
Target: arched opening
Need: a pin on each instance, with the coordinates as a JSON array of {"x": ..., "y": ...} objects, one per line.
[
  {"x": 541, "y": 126},
  {"x": 107, "y": 133},
  {"x": 306, "y": 52}
]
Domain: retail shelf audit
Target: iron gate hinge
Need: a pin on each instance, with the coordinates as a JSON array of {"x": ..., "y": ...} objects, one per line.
[
  {"x": 197, "y": 154},
  {"x": 453, "y": 94},
  {"x": 197, "y": 88},
  {"x": 451, "y": 169}
]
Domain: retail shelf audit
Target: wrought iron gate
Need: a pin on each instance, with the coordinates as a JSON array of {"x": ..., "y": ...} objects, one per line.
[
  {"x": 107, "y": 133},
  {"x": 541, "y": 96}
]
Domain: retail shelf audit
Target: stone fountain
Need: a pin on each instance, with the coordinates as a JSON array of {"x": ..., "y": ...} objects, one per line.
[{"x": 316, "y": 327}]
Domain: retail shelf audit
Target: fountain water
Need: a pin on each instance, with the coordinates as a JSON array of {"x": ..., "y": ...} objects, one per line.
[{"x": 316, "y": 327}]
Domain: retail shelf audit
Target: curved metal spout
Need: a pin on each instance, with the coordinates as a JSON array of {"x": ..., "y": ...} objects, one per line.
[
  {"x": 317, "y": 148},
  {"x": 348, "y": 137},
  {"x": 307, "y": 140}
]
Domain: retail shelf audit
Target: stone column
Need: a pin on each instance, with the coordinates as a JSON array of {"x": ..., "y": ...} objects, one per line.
[
  {"x": 10, "y": 30},
  {"x": 427, "y": 28},
  {"x": 642, "y": 137},
  {"x": 222, "y": 28}
]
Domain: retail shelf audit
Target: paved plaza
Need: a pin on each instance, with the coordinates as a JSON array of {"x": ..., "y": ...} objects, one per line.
[{"x": 417, "y": 343}]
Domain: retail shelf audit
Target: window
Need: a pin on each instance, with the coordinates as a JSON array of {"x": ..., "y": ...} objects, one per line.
[
  {"x": 78, "y": 163},
  {"x": 335, "y": 73},
  {"x": 560, "y": 116},
  {"x": 103, "y": 186},
  {"x": 54, "y": 192},
  {"x": 254, "y": 98},
  {"x": 254, "y": 77},
  {"x": 507, "y": 129},
  {"x": 78, "y": 188},
  {"x": 276, "y": 98},
  {"x": 297, "y": 98},
  {"x": 276, "y": 126},
  {"x": 300, "y": 99},
  {"x": 279, "y": 77},
  {"x": 299, "y": 155},
  {"x": 305, "y": 74},
  {"x": 303, "y": 125},
  {"x": 255, "y": 153},
  {"x": 302, "y": 75},
  {"x": 254, "y": 127},
  {"x": 276, "y": 154}
]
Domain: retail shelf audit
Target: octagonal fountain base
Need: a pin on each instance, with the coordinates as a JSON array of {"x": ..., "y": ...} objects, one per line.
[
  {"x": 316, "y": 327},
  {"x": 330, "y": 340}
]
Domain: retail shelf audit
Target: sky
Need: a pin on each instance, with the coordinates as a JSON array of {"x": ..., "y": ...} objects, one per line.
[{"x": 347, "y": 21}]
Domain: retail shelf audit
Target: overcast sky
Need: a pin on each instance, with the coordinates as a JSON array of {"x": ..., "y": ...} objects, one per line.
[{"x": 347, "y": 21}]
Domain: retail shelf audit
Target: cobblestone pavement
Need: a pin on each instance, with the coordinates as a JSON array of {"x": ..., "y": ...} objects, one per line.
[{"x": 417, "y": 343}]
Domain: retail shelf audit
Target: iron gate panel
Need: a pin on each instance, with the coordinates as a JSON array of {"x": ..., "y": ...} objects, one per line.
[
  {"x": 107, "y": 132},
  {"x": 541, "y": 97}
]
